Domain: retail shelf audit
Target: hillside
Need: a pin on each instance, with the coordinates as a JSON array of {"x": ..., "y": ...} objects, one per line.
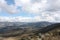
[{"x": 14, "y": 30}]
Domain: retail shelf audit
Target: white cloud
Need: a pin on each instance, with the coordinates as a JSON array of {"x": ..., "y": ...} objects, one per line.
[
  {"x": 36, "y": 7},
  {"x": 8, "y": 8},
  {"x": 55, "y": 4},
  {"x": 25, "y": 19},
  {"x": 46, "y": 10},
  {"x": 18, "y": 19},
  {"x": 21, "y": 2}
]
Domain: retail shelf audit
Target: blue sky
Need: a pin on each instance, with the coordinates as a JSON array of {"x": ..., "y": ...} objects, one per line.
[
  {"x": 10, "y": 2},
  {"x": 3, "y": 13},
  {"x": 22, "y": 13},
  {"x": 30, "y": 10}
]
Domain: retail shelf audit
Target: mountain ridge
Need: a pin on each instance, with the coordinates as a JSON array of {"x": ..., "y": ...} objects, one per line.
[{"x": 22, "y": 29}]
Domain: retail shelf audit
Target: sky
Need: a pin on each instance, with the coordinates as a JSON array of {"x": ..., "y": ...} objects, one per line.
[{"x": 29, "y": 10}]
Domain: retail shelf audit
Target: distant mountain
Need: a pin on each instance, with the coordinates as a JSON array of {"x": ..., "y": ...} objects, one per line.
[
  {"x": 37, "y": 24},
  {"x": 17, "y": 28},
  {"x": 50, "y": 27},
  {"x": 4, "y": 24}
]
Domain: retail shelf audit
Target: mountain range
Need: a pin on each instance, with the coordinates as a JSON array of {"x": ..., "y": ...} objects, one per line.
[{"x": 19, "y": 28}]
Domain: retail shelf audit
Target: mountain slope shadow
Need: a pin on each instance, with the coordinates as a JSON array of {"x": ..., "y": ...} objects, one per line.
[{"x": 49, "y": 28}]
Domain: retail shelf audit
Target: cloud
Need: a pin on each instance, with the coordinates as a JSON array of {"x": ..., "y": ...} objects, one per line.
[
  {"x": 8, "y": 8},
  {"x": 45, "y": 10},
  {"x": 16, "y": 19},
  {"x": 30, "y": 7},
  {"x": 24, "y": 19}
]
